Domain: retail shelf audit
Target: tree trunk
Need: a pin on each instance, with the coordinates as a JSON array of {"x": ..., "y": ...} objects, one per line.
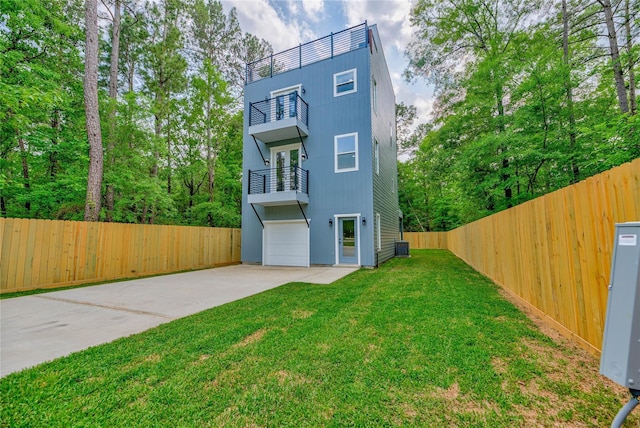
[
  {"x": 25, "y": 172},
  {"x": 505, "y": 176},
  {"x": 94, "y": 181},
  {"x": 169, "y": 160},
  {"x": 210, "y": 158},
  {"x": 615, "y": 56},
  {"x": 53, "y": 156},
  {"x": 569, "y": 93},
  {"x": 113, "y": 98},
  {"x": 632, "y": 76}
]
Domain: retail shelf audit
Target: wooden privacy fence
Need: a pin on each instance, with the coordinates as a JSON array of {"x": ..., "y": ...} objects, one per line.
[
  {"x": 553, "y": 253},
  {"x": 48, "y": 253}
]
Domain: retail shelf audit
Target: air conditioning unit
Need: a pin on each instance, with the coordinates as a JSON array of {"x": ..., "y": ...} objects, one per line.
[{"x": 402, "y": 249}]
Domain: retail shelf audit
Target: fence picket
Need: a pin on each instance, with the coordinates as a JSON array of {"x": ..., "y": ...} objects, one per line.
[{"x": 46, "y": 253}]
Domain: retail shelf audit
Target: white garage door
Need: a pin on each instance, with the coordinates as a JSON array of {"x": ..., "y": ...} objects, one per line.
[{"x": 285, "y": 243}]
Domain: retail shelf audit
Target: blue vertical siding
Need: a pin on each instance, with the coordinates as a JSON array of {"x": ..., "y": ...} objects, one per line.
[{"x": 330, "y": 193}]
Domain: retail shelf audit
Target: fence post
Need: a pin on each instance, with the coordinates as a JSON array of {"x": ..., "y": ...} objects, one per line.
[
  {"x": 271, "y": 65},
  {"x": 300, "y": 54},
  {"x": 264, "y": 184}
]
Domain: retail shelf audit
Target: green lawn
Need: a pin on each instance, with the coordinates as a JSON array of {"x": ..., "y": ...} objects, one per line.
[{"x": 424, "y": 341}]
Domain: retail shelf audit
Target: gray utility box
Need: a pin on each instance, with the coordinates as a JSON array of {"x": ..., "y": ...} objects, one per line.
[{"x": 620, "y": 359}]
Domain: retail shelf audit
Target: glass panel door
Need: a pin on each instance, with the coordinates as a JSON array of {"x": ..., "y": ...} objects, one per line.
[
  {"x": 347, "y": 240},
  {"x": 281, "y": 160},
  {"x": 280, "y": 107},
  {"x": 294, "y": 162},
  {"x": 286, "y": 172}
]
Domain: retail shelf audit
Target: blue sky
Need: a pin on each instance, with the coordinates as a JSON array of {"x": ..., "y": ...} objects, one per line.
[{"x": 286, "y": 23}]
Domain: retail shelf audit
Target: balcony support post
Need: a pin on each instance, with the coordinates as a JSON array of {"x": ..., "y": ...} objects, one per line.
[
  {"x": 302, "y": 142},
  {"x": 266, "y": 162},
  {"x": 303, "y": 215},
  {"x": 259, "y": 219}
]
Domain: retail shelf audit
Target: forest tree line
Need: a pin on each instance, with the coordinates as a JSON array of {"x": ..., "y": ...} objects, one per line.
[
  {"x": 531, "y": 96},
  {"x": 170, "y": 83}
]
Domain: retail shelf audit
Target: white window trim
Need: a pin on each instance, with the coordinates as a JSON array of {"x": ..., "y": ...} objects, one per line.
[
  {"x": 376, "y": 154},
  {"x": 378, "y": 233},
  {"x": 375, "y": 95},
  {"x": 335, "y": 153},
  {"x": 285, "y": 91},
  {"x": 355, "y": 82}
]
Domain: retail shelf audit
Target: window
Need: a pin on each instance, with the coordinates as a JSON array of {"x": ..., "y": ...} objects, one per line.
[
  {"x": 375, "y": 96},
  {"x": 345, "y": 82},
  {"x": 378, "y": 233},
  {"x": 376, "y": 156},
  {"x": 390, "y": 134},
  {"x": 346, "y": 152}
]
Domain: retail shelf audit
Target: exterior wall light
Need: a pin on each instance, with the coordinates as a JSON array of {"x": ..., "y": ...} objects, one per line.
[
  {"x": 330, "y": 222},
  {"x": 364, "y": 221}
]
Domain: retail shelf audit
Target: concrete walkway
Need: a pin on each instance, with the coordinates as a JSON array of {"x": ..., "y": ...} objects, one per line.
[{"x": 41, "y": 327}]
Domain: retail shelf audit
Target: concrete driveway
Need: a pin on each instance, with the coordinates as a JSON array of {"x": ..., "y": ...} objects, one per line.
[{"x": 41, "y": 327}]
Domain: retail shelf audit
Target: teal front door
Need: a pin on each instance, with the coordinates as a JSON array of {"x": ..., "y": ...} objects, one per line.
[{"x": 347, "y": 240}]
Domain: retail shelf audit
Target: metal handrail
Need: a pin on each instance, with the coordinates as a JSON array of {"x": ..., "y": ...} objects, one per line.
[
  {"x": 317, "y": 50},
  {"x": 292, "y": 178},
  {"x": 278, "y": 108}
]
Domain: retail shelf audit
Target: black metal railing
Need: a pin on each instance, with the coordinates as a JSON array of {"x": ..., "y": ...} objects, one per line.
[
  {"x": 278, "y": 108},
  {"x": 279, "y": 180},
  {"x": 326, "y": 47}
]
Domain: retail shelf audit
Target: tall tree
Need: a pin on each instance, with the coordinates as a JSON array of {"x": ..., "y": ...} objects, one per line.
[
  {"x": 472, "y": 38},
  {"x": 164, "y": 76},
  {"x": 614, "y": 52},
  {"x": 94, "y": 134},
  {"x": 113, "y": 101}
]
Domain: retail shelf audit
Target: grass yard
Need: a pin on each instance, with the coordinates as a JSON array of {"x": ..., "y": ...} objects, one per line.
[{"x": 424, "y": 341}]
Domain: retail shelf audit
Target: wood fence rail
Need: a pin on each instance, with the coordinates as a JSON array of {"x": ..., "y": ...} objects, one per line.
[
  {"x": 553, "y": 253},
  {"x": 49, "y": 253}
]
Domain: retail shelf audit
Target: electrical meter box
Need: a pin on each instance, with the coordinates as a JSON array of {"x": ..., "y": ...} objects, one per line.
[{"x": 620, "y": 359}]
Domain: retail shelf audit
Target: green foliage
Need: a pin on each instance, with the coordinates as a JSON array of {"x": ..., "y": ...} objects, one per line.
[
  {"x": 175, "y": 119},
  {"x": 516, "y": 117}
]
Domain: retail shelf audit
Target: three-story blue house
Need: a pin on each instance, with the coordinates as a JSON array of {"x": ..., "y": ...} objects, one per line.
[{"x": 319, "y": 156}]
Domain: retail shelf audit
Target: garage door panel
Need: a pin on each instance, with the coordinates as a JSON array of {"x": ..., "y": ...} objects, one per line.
[{"x": 286, "y": 244}]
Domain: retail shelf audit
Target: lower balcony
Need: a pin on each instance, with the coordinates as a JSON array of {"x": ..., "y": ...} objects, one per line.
[{"x": 279, "y": 186}]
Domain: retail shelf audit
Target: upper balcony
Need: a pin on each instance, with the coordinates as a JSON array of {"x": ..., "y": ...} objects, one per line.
[
  {"x": 353, "y": 38},
  {"x": 279, "y": 118}
]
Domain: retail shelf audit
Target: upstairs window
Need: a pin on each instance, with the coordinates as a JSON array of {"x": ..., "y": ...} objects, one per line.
[
  {"x": 345, "y": 82},
  {"x": 346, "y": 152},
  {"x": 375, "y": 95},
  {"x": 376, "y": 156}
]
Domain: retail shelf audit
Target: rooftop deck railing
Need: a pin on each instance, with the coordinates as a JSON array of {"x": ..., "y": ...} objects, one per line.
[
  {"x": 326, "y": 47},
  {"x": 278, "y": 108}
]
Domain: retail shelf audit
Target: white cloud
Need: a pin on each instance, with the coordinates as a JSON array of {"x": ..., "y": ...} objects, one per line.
[
  {"x": 314, "y": 9},
  {"x": 391, "y": 16},
  {"x": 259, "y": 18}
]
